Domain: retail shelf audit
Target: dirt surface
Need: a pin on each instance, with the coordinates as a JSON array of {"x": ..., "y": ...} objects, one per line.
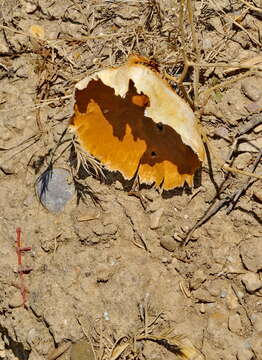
[{"x": 110, "y": 267}]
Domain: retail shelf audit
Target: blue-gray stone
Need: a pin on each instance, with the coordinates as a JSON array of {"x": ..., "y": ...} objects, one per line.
[{"x": 53, "y": 189}]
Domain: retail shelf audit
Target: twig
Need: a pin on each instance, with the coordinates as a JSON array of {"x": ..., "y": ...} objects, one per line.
[
  {"x": 241, "y": 302},
  {"x": 232, "y": 200},
  {"x": 195, "y": 43},
  {"x": 253, "y": 122},
  {"x": 209, "y": 213},
  {"x": 235, "y": 197}
]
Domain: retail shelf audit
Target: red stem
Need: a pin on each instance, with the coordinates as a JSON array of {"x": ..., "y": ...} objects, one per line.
[{"x": 19, "y": 251}]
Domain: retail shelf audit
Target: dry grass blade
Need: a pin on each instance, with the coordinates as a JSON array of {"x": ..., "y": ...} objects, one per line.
[
  {"x": 118, "y": 349},
  {"x": 252, "y": 7},
  {"x": 87, "y": 161},
  {"x": 197, "y": 50}
]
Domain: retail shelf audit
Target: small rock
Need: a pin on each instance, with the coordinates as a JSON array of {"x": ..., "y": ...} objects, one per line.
[
  {"x": 168, "y": 243},
  {"x": 251, "y": 89},
  {"x": 245, "y": 354},
  {"x": 30, "y": 8},
  {"x": 222, "y": 132},
  {"x": 254, "y": 107},
  {"x": 250, "y": 252},
  {"x": 231, "y": 300},
  {"x": 54, "y": 190},
  {"x": 82, "y": 350},
  {"x": 198, "y": 278},
  {"x": 202, "y": 308},
  {"x": 234, "y": 323},
  {"x": 252, "y": 282},
  {"x": 155, "y": 218},
  {"x": 242, "y": 161},
  {"x": 216, "y": 286},
  {"x": 257, "y": 322}
]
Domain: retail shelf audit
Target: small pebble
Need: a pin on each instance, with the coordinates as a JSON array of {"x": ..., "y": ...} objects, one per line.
[
  {"x": 231, "y": 300},
  {"x": 234, "y": 323},
  {"x": 251, "y": 89},
  {"x": 106, "y": 316},
  {"x": 222, "y": 132},
  {"x": 254, "y": 107},
  {"x": 155, "y": 218},
  {"x": 54, "y": 190},
  {"x": 250, "y": 252},
  {"x": 252, "y": 282},
  {"x": 30, "y": 8},
  {"x": 198, "y": 278},
  {"x": 168, "y": 243},
  {"x": 202, "y": 308}
]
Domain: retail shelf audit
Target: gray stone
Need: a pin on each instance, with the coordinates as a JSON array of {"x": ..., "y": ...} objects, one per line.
[{"x": 54, "y": 190}]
